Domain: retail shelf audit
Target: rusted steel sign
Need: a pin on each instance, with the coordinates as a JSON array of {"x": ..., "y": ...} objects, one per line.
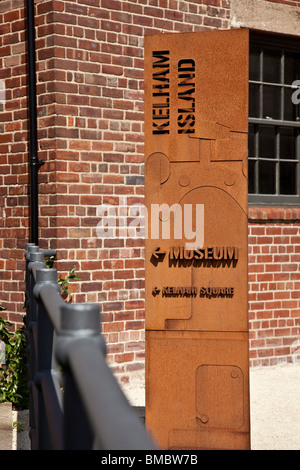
[{"x": 196, "y": 125}]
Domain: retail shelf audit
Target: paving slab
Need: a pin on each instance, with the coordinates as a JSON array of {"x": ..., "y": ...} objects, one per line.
[{"x": 275, "y": 407}]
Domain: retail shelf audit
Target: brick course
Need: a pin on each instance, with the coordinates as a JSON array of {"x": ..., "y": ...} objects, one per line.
[{"x": 90, "y": 134}]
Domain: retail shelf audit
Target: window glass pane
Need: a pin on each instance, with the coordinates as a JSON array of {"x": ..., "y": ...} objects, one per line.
[
  {"x": 251, "y": 141},
  {"x": 267, "y": 142},
  {"x": 267, "y": 177},
  {"x": 274, "y": 106},
  {"x": 291, "y": 68},
  {"x": 254, "y": 67},
  {"x": 287, "y": 145},
  {"x": 271, "y": 66},
  {"x": 271, "y": 102},
  {"x": 251, "y": 176},
  {"x": 288, "y": 178},
  {"x": 291, "y": 108},
  {"x": 254, "y": 100}
]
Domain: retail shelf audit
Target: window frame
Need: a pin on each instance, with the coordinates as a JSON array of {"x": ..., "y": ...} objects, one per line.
[{"x": 289, "y": 44}]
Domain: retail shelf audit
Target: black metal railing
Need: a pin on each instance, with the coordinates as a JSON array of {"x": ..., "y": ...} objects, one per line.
[{"x": 75, "y": 402}]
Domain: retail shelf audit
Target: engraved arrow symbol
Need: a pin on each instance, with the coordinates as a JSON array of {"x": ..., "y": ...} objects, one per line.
[
  {"x": 155, "y": 291},
  {"x": 157, "y": 253}
]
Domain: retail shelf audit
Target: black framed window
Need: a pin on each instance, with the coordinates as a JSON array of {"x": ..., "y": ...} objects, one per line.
[{"x": 274, "y": 120}]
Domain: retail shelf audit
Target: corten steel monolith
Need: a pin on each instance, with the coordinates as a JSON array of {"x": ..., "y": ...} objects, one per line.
[{"x": 196, "y": 125}]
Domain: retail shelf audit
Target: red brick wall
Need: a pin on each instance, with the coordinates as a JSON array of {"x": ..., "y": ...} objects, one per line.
[
  {"x": 90, "y": 131},
  {"x": 13, "y": 148},
  {"x": 274, "y": 285}
]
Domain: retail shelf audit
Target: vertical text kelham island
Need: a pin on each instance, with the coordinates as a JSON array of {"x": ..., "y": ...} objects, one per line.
[
  {"x": 196, "y": 125},
  {"x": 161, "y": 94}
]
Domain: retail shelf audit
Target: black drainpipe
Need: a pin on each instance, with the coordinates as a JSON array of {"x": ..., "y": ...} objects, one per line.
[{"x": 34, "y": 162}]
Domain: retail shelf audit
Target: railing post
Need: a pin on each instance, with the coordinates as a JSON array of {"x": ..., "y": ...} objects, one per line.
[
  {"x": 33, "y": 256},
  {"x": 36, "y": 259},
  {"x": 47, "y": 367},
  {"x": 77, "y": 321},
  {"x": 30, "y": 248}
]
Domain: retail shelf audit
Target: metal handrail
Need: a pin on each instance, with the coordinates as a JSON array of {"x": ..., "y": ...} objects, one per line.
[{"x": 75, "y": 402}]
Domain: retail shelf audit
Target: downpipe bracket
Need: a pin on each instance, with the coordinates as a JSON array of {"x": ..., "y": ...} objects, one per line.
[{"x": 37, "y": 163}]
